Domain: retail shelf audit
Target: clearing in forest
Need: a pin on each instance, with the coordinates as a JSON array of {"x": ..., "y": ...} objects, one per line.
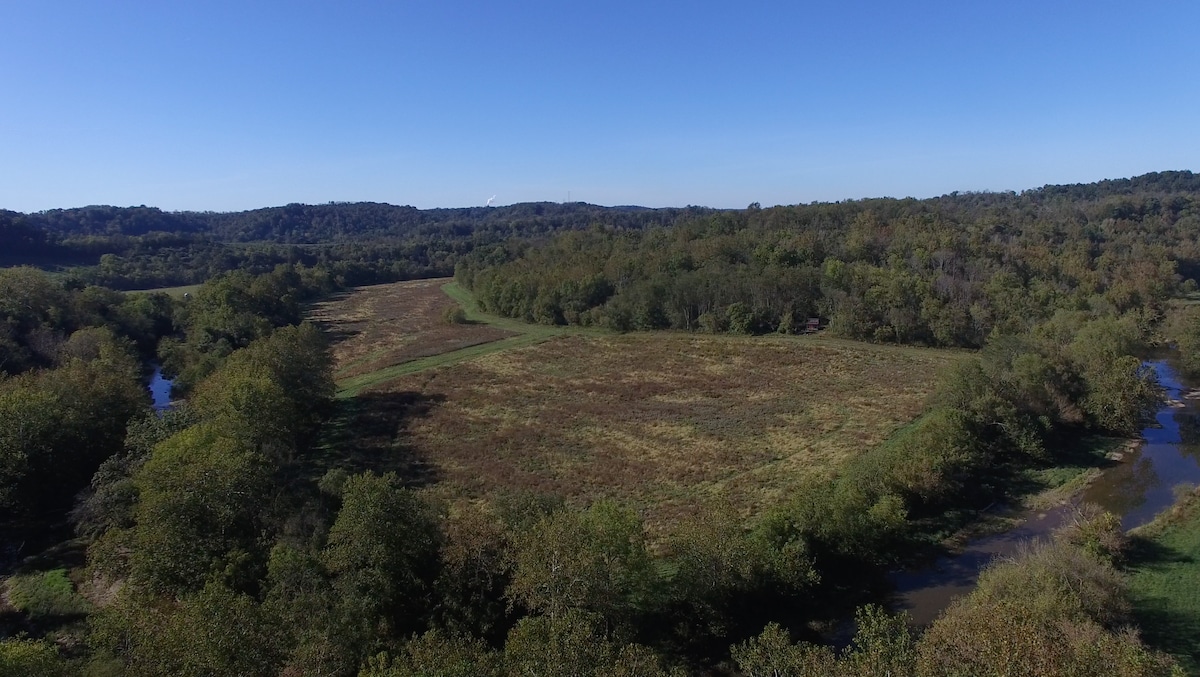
[
  {"x": 665, "y": 421},
  {"x": 379, "y": 327}
]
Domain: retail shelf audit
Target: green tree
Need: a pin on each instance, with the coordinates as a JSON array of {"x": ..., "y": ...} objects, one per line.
[
  {"x": 211, "y": 631},
  {"x": 574, "y": 645},
  {"x": 382, "y": 551},
  {"x": 30, "y": 658},
  {"x": 199, "y": 499},
  {"x": 772, "y": 654},
  {"x": 593, "y": 560},
  {"x": 435, "y": 654}
]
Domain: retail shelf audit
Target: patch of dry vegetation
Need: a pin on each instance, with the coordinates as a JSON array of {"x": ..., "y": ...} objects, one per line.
[
  {"x": 376, "y": 327},
  {"x": 662, "y": 420}
]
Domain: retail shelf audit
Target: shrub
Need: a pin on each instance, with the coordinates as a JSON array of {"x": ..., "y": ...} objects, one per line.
[
  {"x": 454, "y": 314},
  {"x": 30, "y": 658},
  {"x": 47, "y": 593}
]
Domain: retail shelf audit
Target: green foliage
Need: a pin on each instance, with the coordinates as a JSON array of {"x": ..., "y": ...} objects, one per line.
[
  {"x": 434, "y": 654},
  {"x": 27, "y": 436},
  {"x": 938, "y": 271},
  {"x": 231, "y": 311},
  {"x": 110, "y": 500},
  {"x": 772, "y": 654},
  {"x": 318, "y": 630},
  {"x": 574, "y": 645},
  {"x": 1055, "y": 610},
  {"x": 454, "y": 314},
  {"x": 882, "y": 645},
  {"x": 46, "y": 594},
  {"x": 212, "y": 631},
  {"x": 382, "y": 550},
  {"x": 58, "y": 425},
  {"x": 1184, "y": 330},
  {"x": 30, "y": 658},
  {"x": 724, "y": 580},
  {"x": 593, "y": 560},
  {"x": 476, "y": 568},
  {"x": 928, "y": 464},
  {"x": 199, "y": 496}
]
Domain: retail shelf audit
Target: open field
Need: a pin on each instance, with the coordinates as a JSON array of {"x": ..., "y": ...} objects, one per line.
[
  {"x": 378, "y": 328},
  {"x": 661, "y": 420},
  {"x": 1165, "y": 566},
  {"x": 173, "y": 292}
]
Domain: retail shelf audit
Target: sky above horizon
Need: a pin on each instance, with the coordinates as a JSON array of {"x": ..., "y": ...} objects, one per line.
[{"x": 227, "y": 106}]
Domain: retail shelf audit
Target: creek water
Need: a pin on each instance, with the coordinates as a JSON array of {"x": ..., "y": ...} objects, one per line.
[
  {"x": 160, "y": 390},
  {"x": 1139, "y": 487}
]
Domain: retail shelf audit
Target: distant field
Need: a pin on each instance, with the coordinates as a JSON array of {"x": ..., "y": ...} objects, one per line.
[
  {"x": 173, "y": 292},
  {"x": 662, "y": 420},
  {"x": 378, "y": 327}
]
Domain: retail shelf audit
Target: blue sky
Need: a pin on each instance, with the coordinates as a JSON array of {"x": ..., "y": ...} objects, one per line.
[{"x": 235, "y": 105}]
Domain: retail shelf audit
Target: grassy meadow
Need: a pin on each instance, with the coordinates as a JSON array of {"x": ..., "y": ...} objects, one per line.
[
  {"x": 1164, "y": 571},
  {"x": 665, "y": 420},
  {"x": 379, "y": 328},
  {"x": 173, "y": 292}
]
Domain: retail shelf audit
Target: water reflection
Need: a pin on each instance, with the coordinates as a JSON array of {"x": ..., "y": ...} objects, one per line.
[
  {"x": 160, "y": 390},
  {"x": 1138, "y": 488},
  {"x": 1144, "y": 485}
]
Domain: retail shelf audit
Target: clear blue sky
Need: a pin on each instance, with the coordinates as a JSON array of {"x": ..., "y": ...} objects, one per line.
[{"x": 212, "y": 105}]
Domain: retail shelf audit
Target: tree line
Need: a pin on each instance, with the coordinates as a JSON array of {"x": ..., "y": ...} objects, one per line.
[
  {"x": 947, "y": 271},
  {"x": 144, "y": 247}
]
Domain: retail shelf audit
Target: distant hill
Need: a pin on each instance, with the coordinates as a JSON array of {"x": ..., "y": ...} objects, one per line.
[
  {"x": 141, "y": 247},
  {"x": 325, "y": 223}
]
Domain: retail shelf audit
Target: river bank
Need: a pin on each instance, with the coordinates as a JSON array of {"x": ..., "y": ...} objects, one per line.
[
  {"x": 1139, "y": 482},
  {"x": 1164, "y": 566}
]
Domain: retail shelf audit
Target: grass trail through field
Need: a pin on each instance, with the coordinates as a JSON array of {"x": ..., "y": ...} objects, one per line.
[{"x": 527, "y": 335}]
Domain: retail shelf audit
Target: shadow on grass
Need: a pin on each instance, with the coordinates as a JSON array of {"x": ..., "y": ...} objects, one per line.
[
  {"x": 337, "y": 335},
  {"x": 54, "y": 610},
  {"x": 1145, "y": 553},
  {"x": 368, "y": 433},
  {"x": 1163, "y": 624}
]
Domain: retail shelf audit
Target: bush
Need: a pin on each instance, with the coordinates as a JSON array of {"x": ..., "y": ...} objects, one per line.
[
  {"x": 454, "y": 314},
  {"x": 47, "y": 593},
  {"x": 1055, "y": 610},
  {"x": 30, "y": 658}
]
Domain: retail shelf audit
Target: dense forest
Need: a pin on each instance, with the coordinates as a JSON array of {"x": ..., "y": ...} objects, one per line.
[
  {"x": 224, "y": 537},
  {"x": 359, "y": 243},
  {"x": 946, "y": 271}
]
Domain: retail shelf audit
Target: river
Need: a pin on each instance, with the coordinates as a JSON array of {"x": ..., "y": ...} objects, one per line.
[
  {"x": 1136, "y": 490},
  {"x": 160, "y": 390}
]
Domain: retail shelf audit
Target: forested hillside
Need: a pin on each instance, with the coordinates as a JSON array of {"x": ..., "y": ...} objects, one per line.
[
  {"x": 143, "y": 247},
  {"x": 945, "y": 271}
]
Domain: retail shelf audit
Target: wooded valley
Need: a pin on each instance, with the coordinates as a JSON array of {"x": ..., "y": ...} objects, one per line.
[{"x": 612, "y": 445}]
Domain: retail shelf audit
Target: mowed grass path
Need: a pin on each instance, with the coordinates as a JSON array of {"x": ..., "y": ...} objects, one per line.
[
  {"x": 385, "y": 331},
  {"x": 1165, "y": 581}
]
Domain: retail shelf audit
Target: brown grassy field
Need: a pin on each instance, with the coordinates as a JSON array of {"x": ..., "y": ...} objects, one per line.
[
  {"x": 661, "y": 420},
  {"x": 376, "y": 327}
]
